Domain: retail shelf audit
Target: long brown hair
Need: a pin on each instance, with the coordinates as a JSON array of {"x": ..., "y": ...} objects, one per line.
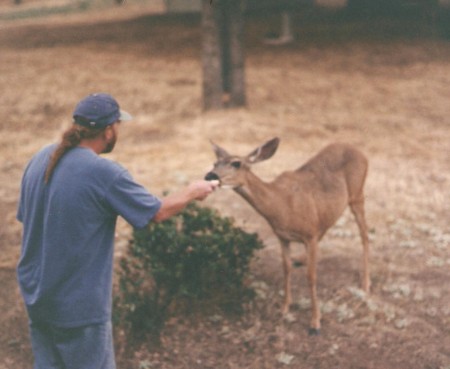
[{"x": 70, "y": 139}]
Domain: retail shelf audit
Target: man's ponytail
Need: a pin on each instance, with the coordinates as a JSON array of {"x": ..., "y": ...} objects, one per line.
[{"x": 71, "y": 138}]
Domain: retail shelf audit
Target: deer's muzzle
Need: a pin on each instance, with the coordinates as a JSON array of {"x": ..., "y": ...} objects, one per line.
[{"x": 211, "y": 176}]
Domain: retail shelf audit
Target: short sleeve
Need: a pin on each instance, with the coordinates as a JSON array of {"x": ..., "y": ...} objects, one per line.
[
  {"x": 132, "y": 201},
  {"x": 19, "y": 213}
]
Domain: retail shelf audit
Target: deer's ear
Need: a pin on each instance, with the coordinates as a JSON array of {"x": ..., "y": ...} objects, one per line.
[
  {"x": 220, "y": 153},
  {"x": 264, "y": 152}
]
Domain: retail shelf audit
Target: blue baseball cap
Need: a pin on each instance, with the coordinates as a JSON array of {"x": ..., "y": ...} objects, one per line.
[{"x": 98, "y": 111}]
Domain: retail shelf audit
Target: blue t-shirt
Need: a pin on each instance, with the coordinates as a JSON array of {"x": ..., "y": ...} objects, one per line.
[{"x": 66, "y": 263}]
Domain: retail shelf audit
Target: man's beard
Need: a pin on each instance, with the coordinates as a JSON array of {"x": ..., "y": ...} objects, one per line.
[{"x": 110, "y": 144}]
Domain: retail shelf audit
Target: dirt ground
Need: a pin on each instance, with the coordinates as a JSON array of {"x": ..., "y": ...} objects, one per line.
[{"x": 381, "y": 85}]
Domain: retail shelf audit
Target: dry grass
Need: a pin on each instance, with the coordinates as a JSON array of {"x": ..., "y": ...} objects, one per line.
[{"x": 389, "y": 96}]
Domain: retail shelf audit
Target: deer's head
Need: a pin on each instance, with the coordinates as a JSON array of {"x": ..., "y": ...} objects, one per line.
[{"x": 231, "y": 170}]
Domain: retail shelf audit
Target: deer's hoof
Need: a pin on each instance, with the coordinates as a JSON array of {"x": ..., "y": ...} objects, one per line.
[
  {"x": 314, "y": 331},
  {"x": 285, "y": 309}
]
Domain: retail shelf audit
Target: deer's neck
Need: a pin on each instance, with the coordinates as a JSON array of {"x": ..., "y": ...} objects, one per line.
[{"x": 258, "y": 194}]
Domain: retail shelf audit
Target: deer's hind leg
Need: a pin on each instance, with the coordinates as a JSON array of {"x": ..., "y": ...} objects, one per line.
[
  {"x": 357, "y": 208},
  {"x": 287, "y": 269}
]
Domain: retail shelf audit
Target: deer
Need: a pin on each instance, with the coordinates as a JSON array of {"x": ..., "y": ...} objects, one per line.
[{"x": 301, "y": 205}]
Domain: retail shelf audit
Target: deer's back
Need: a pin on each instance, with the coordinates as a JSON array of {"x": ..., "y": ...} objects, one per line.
[
  {"x": 309, "y": 200},
  {"x": 332, "y": 167},
  {"x": 333, "y": 158},
  {"x": 322, "y": 187}
]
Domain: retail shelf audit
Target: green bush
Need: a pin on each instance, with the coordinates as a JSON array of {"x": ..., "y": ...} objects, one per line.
[{"x": 195, "y": 259}]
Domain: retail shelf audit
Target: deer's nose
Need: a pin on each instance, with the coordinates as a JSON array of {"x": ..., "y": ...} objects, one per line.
[{"x": 211, "y": 176}]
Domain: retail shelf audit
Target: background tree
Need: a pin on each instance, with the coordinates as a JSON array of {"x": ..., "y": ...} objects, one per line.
[{"x": 223, "y": 54}]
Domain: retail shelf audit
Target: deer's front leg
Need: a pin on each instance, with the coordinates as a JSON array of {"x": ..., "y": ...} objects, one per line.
[
  {"x": 287, "y": 266},
  {"x": 312, "y": 246}
]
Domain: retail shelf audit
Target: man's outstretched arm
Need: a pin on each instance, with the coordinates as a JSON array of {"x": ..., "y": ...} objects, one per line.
[{"x": 174, "y": 203}]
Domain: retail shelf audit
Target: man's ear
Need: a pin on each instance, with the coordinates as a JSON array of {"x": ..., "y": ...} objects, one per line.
[{"x": 109, "y": 132}]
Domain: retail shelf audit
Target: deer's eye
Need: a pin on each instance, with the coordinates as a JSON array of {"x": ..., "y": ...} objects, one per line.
[{"x": 236, "y": 164}]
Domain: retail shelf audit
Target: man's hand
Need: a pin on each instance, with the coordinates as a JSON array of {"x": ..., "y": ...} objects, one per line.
[{"x": 201, "y": 189}]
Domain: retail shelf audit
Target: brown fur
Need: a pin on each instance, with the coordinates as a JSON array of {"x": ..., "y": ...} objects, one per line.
[{"x": 301, "y": 205}]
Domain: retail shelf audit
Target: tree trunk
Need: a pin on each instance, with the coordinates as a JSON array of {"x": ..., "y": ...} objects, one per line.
[
  {"x": 223, "y": 54},
  {"x": 211, "y": 56},
  {"x": 234, "y": 68}
]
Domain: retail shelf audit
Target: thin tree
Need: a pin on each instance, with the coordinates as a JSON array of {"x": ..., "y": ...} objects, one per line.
[{"x": 223, "y": 54}]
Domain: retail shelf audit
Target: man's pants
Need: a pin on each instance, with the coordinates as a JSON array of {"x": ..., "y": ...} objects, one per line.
[{"x": 87, "y": 347}]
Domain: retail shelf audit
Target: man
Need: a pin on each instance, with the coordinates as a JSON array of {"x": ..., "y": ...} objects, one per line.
[{"x": 69, "y": 202}]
